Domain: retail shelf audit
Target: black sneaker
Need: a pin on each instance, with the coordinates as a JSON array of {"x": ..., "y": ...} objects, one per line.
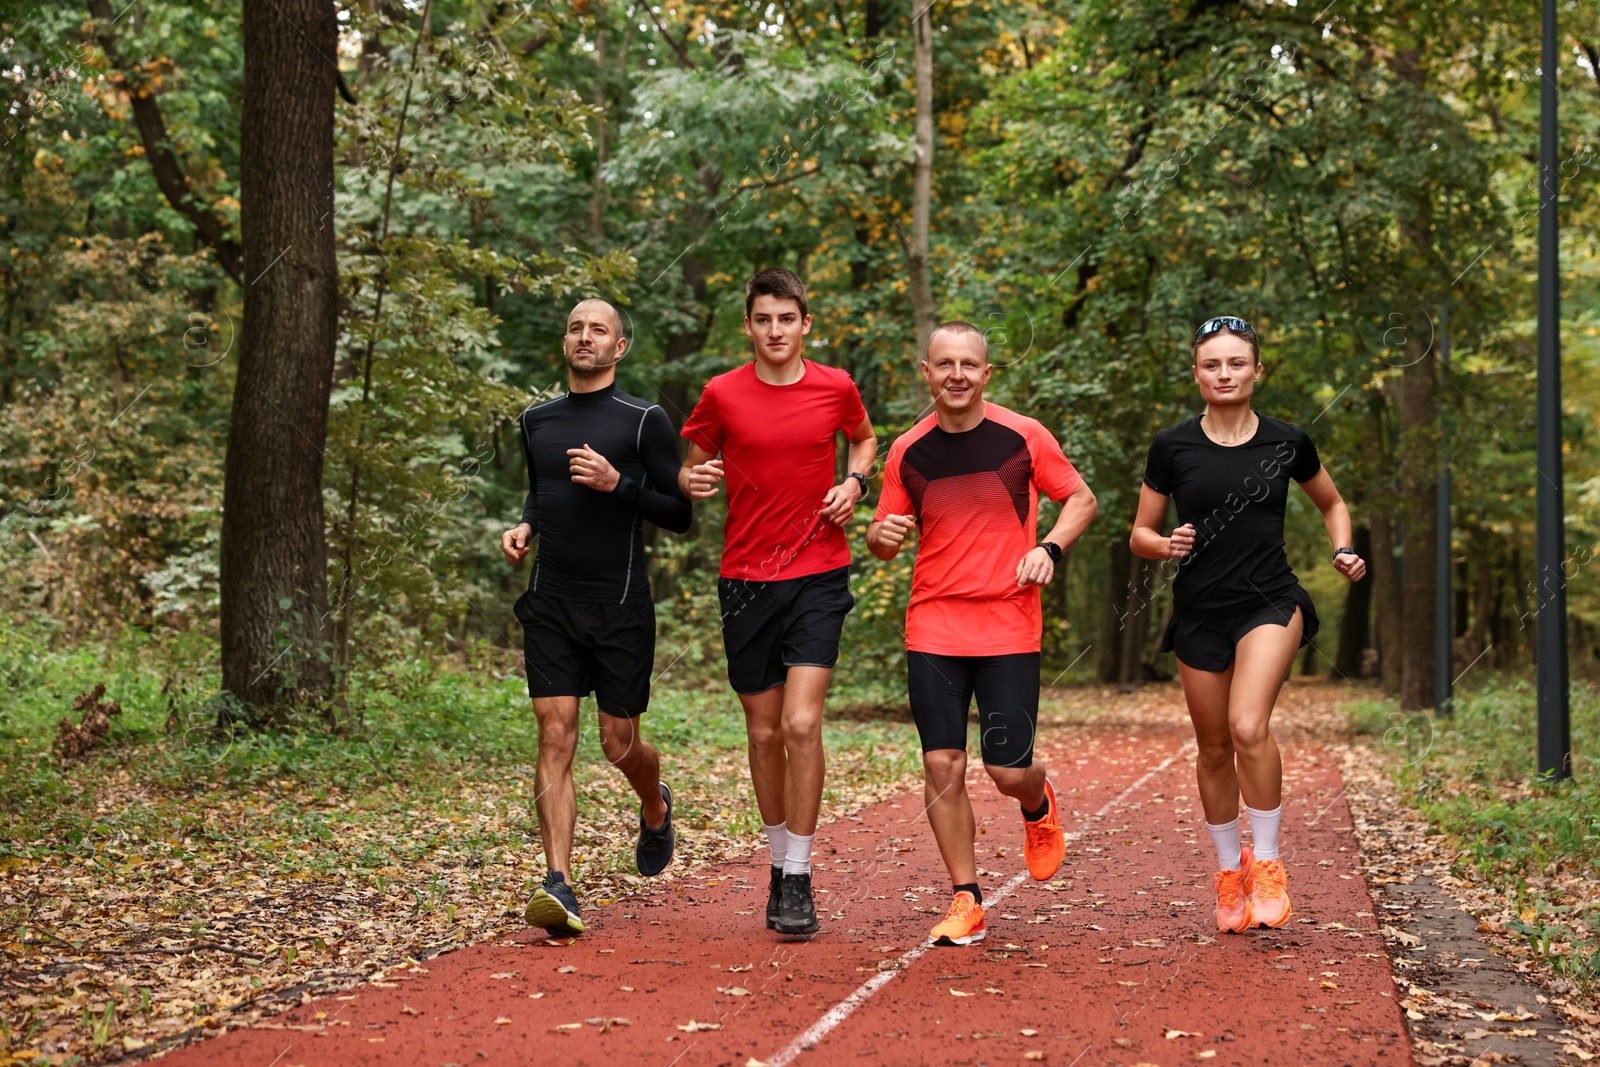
[
  {"x": 653, "y": 851},
  {"x": 555, "y": 907},
  {"x": 774, "y": 895},
  {"x": 796, "y": 912}
]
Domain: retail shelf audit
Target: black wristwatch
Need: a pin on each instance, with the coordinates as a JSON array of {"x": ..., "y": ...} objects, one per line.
[
  {"x": 1345, "y": 550},
  {"x": 1053, "y": 549},
  {"x": 862, "y": 478}
]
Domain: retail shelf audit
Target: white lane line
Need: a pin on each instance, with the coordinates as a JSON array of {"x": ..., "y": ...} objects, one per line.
[{"x": 843, "y": 1010}]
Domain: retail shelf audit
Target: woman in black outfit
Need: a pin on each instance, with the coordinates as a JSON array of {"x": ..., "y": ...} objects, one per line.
[{"x": 1239, "y": 614}]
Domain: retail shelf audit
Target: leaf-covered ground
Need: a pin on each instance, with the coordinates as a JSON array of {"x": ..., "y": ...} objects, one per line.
[{"x": 174, "y": 884}]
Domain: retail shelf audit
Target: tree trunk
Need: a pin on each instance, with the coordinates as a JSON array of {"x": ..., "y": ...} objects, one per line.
[
  {"x": 1385, "y": 589},
  {"x": 597, "y": 197},
  {"x": 1108, "y": 661},
  {"x": 1354, "y": 628},
  {"x": 274, "y": 550},
  {"x": 1135, "y": 621},
  {"x": 922, "y": 178},
  {"x": 1419, "y": 474}
]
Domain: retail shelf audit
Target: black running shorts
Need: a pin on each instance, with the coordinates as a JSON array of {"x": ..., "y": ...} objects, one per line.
[
  {"x": 1208, "y": 644},
  {"x": 1007, "y": 688},
  {"x": 768, "y": 627},
  {"x": 572, "y": 649}
]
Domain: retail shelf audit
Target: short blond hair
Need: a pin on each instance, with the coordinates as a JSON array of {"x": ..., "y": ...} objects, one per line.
[{"x": 958, "y": 328}]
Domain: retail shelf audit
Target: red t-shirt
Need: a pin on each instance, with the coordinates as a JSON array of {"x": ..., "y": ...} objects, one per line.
[
  {"x": 976, "y": 498},
  {"x": 778, "y": 450}
]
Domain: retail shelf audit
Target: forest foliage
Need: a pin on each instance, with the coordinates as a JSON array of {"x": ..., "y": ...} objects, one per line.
[{"x": 1360, "y": 182}]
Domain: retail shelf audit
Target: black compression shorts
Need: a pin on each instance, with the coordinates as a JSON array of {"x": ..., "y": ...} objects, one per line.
[
  {"x": 1209, "y": 644},
  {"x": 1007, "y": 687},
  {"x": 768, "y": 627},
  {"x": 573, "y": 649}
]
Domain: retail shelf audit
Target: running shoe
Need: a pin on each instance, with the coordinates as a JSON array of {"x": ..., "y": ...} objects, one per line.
[
  {"x": 555, "y": 907},
  {"x": 653, "y": 851},
  {"x": 1043, "y": 844},
  {"x": 1266, "y": 886},
  {"x": 1233, "y": 898},
  {"x": 963, "y": 923},
  {"x": 774, "y": 898},
  {"x": 797, "y": 914}
]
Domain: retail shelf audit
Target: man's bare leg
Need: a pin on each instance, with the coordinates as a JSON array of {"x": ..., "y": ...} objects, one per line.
[
  {"x": 554, "y": 795},
  {"x": 628, "y": 751}
]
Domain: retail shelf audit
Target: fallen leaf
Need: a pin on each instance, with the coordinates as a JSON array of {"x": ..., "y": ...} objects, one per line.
[
  {"x": 409, "y": 1010},
  {"x": 1033, "y": 1054},
  {"x": 535, "y": 996},
  {"x": 1174, "y": 1034},
  {"x": 561, "y": 1026},
  {"x": 1409, "y": 940},
  {"x": 1028, "y": 1033},
  {"x": 502, "y": 1021},
  {"x": 959, "y": 993},
  {"x": 569, "y": 969},
  {"x": 996, "y": 992},
  {"x": 753, "y": 1062},
  {"x": 1206, "y": 1055},
  {"x": 733, "y": 991},
  {"x": 693, "y": 1027},
  {"x": 506, "y": 974}
]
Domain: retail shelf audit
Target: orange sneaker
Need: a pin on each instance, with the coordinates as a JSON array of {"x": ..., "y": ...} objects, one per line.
[
  {"x": 1266, "y": 885},
  {"x": 1233, "y": 897},
  {"x": 1043, "y": 844},
  {"x": 963, "y": 923}
]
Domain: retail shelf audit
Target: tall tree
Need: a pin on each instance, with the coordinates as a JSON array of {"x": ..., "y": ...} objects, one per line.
[
  {"x": 922, "y": 180},
  {"x": 274, "y": 548}
]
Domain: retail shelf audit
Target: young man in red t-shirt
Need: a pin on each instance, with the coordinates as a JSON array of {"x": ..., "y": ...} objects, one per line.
[
  {"x": 968, "y": 478},
  {"x": 769, "y": 429}
]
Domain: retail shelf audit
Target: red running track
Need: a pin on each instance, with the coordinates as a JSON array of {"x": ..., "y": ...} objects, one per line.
[{"x": 1116, "y": 961}]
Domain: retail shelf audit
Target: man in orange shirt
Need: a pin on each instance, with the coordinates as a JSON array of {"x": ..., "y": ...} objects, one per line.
[{"x": 968, "y": 479}]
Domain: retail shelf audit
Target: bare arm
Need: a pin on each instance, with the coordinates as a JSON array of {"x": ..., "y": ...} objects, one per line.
[
  {"x": 1077, "y": 511},
  {"x": 840, "y": 503},
  {"x": 700, "y": 474},
  {"x": 1147, "y": 540},
  {"x": 1336, "y": 519}
]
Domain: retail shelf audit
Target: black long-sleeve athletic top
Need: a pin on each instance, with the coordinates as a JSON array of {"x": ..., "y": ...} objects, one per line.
[{"x": 591, "y": 544}]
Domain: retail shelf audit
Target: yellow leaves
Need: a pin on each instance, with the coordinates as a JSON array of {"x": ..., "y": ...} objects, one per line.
[
  {"x": 733, "y": 991},
  {"x": 692, "y": 1027},
  {"x": 960, "y": 993}
]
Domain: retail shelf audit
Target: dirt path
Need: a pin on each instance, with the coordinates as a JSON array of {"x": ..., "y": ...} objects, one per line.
[{"x": 1116, "y": 961}]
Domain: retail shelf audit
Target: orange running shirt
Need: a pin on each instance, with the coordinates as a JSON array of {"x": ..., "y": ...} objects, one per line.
[
  {"x": 975, "y": 496},
  {"x": 779, "y": 447}
]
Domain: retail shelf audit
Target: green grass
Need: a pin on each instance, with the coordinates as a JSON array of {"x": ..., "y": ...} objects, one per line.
[
  {"x": 1473, "y": 775},
  {"x": 411, "y": 733}
]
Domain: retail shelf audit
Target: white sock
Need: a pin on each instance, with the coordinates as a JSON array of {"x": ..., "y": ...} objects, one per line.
[
  {"x": 778, "y": 840},
  {"x": 1226, "y": 839},
  {"x": 1264, "y": 831},
  {"x": 798, "y": 860}
]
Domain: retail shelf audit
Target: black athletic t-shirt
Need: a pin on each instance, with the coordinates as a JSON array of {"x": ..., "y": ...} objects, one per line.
[
  {"x": 591, "y": 544},
  {"x": 1234, "y": 496}
]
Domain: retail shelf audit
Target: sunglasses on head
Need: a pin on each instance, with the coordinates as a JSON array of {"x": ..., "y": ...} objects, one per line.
[{"x": 1224, "y": 322}]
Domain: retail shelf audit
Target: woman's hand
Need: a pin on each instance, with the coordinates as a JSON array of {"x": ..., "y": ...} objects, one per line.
[
  {"x": 1351, "y": 566},
  {"x": 1181, "y": 541}
]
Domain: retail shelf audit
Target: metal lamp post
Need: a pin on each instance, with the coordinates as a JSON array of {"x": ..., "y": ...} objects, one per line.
[{"x": 1555, "y": 743}]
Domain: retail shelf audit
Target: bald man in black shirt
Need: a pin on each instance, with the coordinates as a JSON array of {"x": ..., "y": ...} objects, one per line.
[{"x": 600, "y": 463}]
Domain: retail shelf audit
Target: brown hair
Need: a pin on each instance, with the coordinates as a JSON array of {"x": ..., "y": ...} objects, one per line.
[
  {"x": 1255, "y": 342},
  {"x": 775, "y": 281}
]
